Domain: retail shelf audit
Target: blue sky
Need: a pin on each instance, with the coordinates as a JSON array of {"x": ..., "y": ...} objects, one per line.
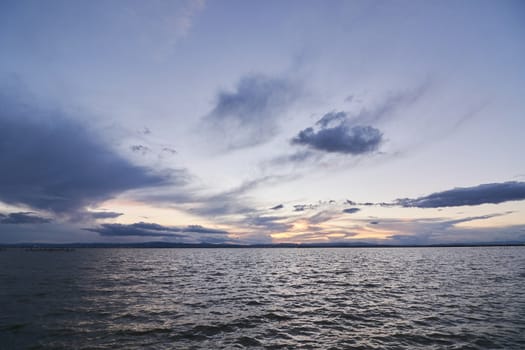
[{"x": 250, "y": 122}]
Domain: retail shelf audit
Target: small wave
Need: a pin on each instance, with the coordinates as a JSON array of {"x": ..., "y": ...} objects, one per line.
[
  {"x": 142, "y": 332},
  {"x": 248, "y": 341},
  {"x": 276, "y": 317}
]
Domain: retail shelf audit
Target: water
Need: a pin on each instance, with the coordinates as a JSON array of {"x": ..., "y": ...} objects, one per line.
[{"x": 363, "y": 298}]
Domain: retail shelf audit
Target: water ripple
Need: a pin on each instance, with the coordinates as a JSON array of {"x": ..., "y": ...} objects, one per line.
[{"x": 410, "y": 298}]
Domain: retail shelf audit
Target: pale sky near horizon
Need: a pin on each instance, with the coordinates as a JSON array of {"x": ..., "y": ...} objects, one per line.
[{"x": 262, "y": 121}]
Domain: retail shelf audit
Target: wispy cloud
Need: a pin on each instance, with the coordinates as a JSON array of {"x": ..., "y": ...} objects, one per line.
[
  {"x": 446, "y": 230},
  {"x": 391, "y": 105},
  {"x": 249, "y": 114},
  {"x": 201, "y": 201},
  {"x": 267, "y": 223}
]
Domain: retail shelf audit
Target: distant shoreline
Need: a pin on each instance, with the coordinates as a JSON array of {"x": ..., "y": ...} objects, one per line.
[{"x": 158, "y": 245}]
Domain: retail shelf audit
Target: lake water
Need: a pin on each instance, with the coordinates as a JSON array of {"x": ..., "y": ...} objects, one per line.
[{"x": 327, "y": 298}]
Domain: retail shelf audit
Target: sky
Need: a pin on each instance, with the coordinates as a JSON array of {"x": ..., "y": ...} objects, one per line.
[{"x": 391, "y": 122}]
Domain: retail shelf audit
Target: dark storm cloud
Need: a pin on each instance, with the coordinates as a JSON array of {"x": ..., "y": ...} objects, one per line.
[
  {"x": 153, "y": 230},
  {"x": 351, "y": 210},
  {"x": 248, "y": 115},
  {"x": 493, "y": 193},
  {"x": 335, "y": 134},
  {"x": 53, "y": 162},
  {"x": 277, "y": 207},
  {"x": 23, "y": 218}
]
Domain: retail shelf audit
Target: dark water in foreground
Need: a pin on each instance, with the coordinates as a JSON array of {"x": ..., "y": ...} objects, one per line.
[{"x": 367, "y": 298}]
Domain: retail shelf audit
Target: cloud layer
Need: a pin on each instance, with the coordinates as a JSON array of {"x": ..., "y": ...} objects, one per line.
[
  {"x": 492, "y": 193},
  {"x": 53, "y": 162},
  {"x": 145, "y": 229},
  {"x": 23, "y": 218}
]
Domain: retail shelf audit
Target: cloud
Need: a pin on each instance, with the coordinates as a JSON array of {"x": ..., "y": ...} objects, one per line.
[
  {"x": 492, "y": 193},
  {"x": 104, "y": 214},
  {"x": 200, "y": 201},
  {"x": 53, "y": 162},
  {"x": 446, "y": 230},
  {"x": 316, "y": 234},
  {"x": 139, "y": 229},
  {"x": 140, "y": 149},
  {"x": 335, "y": 134},
  {"x": 321, "y": 217},
  {"x": 228, "y": 202},
  {"x": 303, "y": 207},
  {"x": 331, "y": 117},
  {"x": 297, "y": 158},
  {"x": 267, "y": 223},
  {"x": 23, "y": 218},
  {"x": 453, "y": 222},
  {"x": 153, "y": 230},
  {"x": 351, "y": 210},
  {"x": 339, "y": 132},
  {"x": 202, "y": 229},
  {"x": 248, "y": 115},
  {"x": 391, "y": 104},
  {"x": 277, "y": 207},
  {"x": 311, "y": 206},
  {"x": 169, "y": 150}
]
